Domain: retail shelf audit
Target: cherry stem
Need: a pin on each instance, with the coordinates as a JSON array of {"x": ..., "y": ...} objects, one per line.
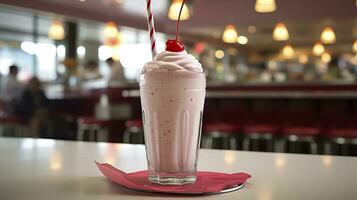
[{"x": 178, "y": 19}]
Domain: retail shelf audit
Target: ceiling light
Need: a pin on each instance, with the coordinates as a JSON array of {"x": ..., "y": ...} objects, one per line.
[
  {"x": 110, "y": 30},
  {"x": 264, "y": 6},
  {"x": 119, "y": 38},
  {"x": 288, "y": 51},
  {"x": 280, "y": 32},
  {"x": 354, "y": 47},
  {"x": 242, "y": 40},
  {"x": 328, "y": 35},
  {"x": 230, "y": 34},
  {"x": 116, "y": 41},
  {"x": 303, "y": 59},
  {"x": 175, "y": 10},
  {"x": 56, "y": 31},
  {"x": 326, "y": 57},
  {"x": 219, "y": 54},
  {"x": 318, "y": 49}
]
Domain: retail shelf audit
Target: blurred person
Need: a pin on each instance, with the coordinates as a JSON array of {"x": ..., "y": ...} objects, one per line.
[
  {"x": 117, "y": 71},
  {"x": 11, "y": 88},
  {"x": 90, "y": 71},
  {"x": 33, "y": 107}
]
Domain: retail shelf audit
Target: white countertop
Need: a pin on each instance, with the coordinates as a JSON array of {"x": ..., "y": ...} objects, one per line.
[{"x": 51, "y": 169}]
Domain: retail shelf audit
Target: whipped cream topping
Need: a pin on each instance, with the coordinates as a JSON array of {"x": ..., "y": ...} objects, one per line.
[{"x": 173, "y": 61}]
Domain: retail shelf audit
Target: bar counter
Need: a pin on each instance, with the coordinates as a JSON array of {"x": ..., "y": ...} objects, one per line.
[
  {"x": 53, "y": 169},
  {"x": 257, "y": 90},
  {"x": 241, "y": 104}
]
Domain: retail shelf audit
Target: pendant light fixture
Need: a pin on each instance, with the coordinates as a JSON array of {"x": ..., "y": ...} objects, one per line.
[
  {"x": 56, "y": 30},
  {"x": 303, "y": 59},
  {"x": 318, "y": 49},
  {"x": 354, "y": 46},
  {"x": 326, "y": 57},
  {"x": 242, "y": 40},
  {"x": 110, "y": 30},
  {"x": 280, "y": 32},
  {"x": 288, "y": 51},
  {"x": 328, "y": 35},
  {"x": 219, "y": 54},
  {"x": 265, "y": 6},
  {"x": 230, "y": 34},
  {"x": 174, "y": 11}
]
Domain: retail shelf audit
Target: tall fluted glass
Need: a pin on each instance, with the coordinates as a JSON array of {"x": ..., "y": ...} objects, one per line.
[{"x": 172, "y": 106}]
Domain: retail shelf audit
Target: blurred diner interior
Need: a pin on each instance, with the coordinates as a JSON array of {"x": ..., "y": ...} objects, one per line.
[{"x": 281, "y": 75}]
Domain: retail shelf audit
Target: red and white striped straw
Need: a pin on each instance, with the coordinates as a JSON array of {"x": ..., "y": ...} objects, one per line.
[{"x": 151, "y": 27}]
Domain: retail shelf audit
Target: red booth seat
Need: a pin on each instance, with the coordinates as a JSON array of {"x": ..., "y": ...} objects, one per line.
[
  {"x": 301, "y": 130},
  {"x": 134, "y": 123},
  {"x": 221, "y": 127},
  {"x": 342, "y": 132},
  {"x": 261, "y": 128}
]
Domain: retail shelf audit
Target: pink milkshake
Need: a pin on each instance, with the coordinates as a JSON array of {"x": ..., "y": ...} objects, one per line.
[{"x": 172, "y": 91}]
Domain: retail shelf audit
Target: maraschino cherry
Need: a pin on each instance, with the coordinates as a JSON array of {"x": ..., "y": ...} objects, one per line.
[{"x": 175, "y": 45}]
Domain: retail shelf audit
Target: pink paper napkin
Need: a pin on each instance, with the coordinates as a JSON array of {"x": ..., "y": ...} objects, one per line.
[{"x": 207, "y": 182}]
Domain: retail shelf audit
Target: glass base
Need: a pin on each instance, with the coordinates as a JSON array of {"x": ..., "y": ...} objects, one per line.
[{"x": 172, "y": 180}]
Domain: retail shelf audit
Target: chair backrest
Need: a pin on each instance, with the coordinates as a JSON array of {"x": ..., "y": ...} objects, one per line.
[
  {"x": 235, "y": 110},
  {"x": 354, "y": 114},
  {"x": 336, "y": 113},
  {"x": 303, "y": 113},
  {"x": 269, "y": 111},
  {"x": 211, "y": 112}
]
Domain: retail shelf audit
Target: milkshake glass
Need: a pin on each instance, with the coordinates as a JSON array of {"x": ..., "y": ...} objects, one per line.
[{"x": 172, "y": 92}]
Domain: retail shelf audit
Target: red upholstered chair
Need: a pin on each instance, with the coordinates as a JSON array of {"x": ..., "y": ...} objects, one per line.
[
  {"x": 225, "y": 127},
  {"x": 10, "y": 125},
  {"x": 211, "y": 112},
  {"x": 95, "y": 128},
  {"x": 134, "y": 132},
  {"x": 302, "y": 127},
  {"x": 339, "y": 122},
  {"x": 264, "y": 125},
  {"x": 220, "y": 130},
  {"x": 343, "y": 139}
]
